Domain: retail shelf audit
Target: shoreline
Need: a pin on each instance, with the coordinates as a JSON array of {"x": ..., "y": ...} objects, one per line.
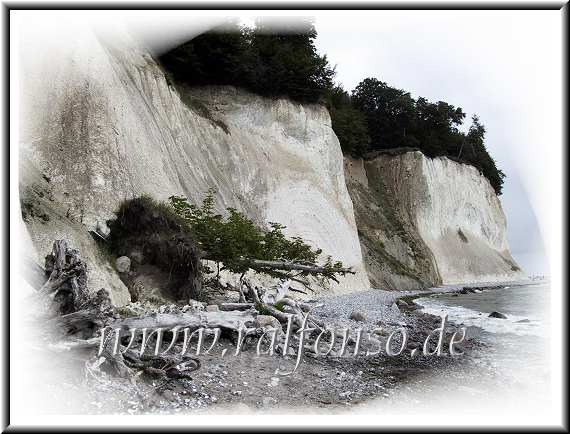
[{"x": 249, "y": 383}]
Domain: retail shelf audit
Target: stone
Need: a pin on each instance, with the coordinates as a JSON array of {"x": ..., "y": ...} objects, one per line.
[
  {"x": 102, "y": 229},
  {"x": 123, "y": 264},
  {"x": 212, "y": 308},
  {"x": 380, "y": 332},
  {"x": 413, "y": 345},
  {"x": 497, "y": 315},
  {"x": 193, "y": 305},
  {"x": 523, "y": 321},
  {"x": 358, "y": 315},
  {"x": 402, "y": 303},
  {"x": 263, "y": 321}
]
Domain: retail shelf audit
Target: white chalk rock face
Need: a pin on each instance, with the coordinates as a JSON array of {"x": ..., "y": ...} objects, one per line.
[
  {"x": 456, "y": 213},
  {"x": 103, "y": 124}
]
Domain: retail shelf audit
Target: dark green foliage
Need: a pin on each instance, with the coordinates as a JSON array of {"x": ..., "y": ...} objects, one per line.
[
  {"x": 164, "y": 240},
  {"x": 220, "y": 56},
  {"x": 234, "y": 240},
  {"x": 282, "y": 63},
  {"x": 349, "y": 123},
  {"x": 396, "y": 120},
  {"x": 287, "y": 62},
  {"x": 388, "y": 112},
  {"x": 474, "y": 152}
]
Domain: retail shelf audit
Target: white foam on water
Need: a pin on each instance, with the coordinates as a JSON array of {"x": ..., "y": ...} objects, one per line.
[{"x": 470, "y": 317}]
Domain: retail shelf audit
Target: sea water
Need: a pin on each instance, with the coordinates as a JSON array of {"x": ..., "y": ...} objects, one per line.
[{"x": 514, "y": 355}]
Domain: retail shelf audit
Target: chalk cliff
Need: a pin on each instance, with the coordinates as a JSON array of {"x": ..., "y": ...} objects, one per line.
[
  {"x": 102, "y": 123},
  {"x": 428, "y": 221},
  {"x": 110, "y": 126}
]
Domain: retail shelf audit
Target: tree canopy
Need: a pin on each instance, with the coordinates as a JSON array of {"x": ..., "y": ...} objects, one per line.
[
  {"x": 280, "y": 63},
  {"x": 395, "y": 119}
]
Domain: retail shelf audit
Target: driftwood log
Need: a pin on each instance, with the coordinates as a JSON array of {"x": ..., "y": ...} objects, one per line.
[
  {"x": 293, "y": 266},
  {"x": 232, "y": 320}
]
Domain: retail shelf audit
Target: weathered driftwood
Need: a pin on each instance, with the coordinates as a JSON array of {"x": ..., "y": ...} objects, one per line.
[
  {"x": 232, "y": 320},
  {"x": 87, "y": 316},
  {"x": 293, "y": 266},
  {"x": 67, "y": 275},
  {"x": 295, "y": 310},
  {"x": 235, "y": 306},
  {"x": 277, "y": 294},
  {"x": 126, "y": 362}
]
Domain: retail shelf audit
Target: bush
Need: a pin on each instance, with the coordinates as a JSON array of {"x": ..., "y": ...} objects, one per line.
[
  {"x": 348, "y": 123},
  {"x": 236, "y": 241}
]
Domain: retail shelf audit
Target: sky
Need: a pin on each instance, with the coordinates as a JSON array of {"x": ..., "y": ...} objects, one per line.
[{"x": 502, "y": 65}]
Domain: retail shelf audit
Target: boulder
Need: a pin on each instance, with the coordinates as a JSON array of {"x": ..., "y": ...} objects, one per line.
[
  {"x": 497, "y": 315},
  {"x": 123, "y": 264},
  {"x": 263, "y": 321},
  {"x": 358, "y": 315},
  {"x": 523, "y": 321}
]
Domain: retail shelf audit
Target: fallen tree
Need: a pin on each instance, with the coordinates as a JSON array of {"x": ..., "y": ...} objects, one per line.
[{"x": 237, "y": 244}]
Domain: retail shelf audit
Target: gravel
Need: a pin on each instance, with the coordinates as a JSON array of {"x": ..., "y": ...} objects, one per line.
[{"x": 249, "y": 382}]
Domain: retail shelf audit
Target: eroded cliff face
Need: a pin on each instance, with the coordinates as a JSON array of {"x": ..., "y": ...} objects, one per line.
[
  {"x": 395, "y": 255},
  {"x": 101, "y": 123},
  {"x": 428, "y": 220}
]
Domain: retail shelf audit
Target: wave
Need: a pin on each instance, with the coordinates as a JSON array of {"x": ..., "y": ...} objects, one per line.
[{"x": 474, "y": 318}]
